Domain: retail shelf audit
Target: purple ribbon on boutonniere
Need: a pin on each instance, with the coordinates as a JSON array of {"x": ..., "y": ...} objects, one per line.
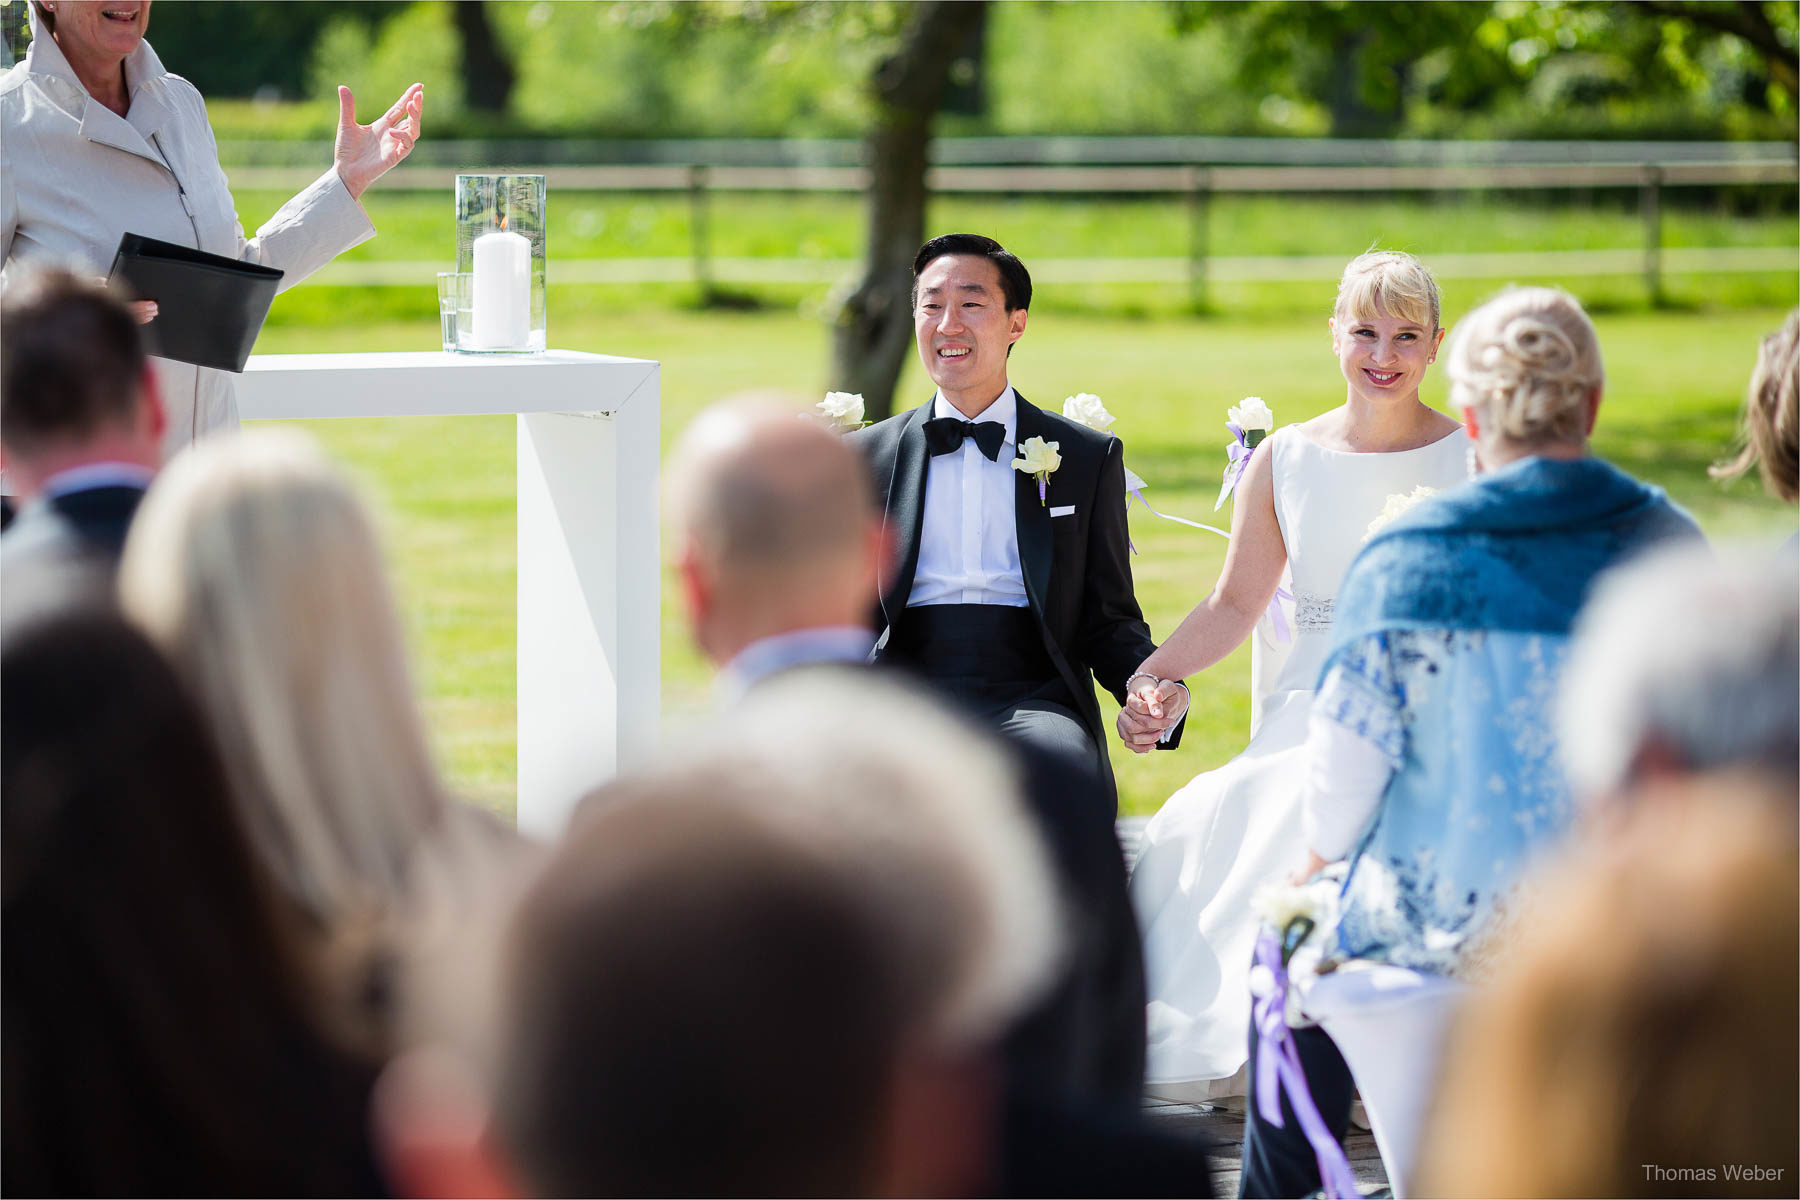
[{"x": 1278, "y": 1068}]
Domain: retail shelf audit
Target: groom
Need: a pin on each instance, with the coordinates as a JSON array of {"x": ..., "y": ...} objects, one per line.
[{"x": 1011, "y": 593}]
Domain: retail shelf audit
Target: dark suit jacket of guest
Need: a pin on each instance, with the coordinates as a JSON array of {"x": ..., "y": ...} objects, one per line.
[
  {"x": 61, "y": 552},
  {"x": 1077, "y": 567}
]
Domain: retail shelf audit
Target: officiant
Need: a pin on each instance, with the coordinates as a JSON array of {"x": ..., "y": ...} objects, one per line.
[{"x": 101, "y": 140}]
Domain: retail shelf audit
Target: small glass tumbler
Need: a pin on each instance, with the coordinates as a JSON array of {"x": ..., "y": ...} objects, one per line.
[{"x": 454, "y": 290}]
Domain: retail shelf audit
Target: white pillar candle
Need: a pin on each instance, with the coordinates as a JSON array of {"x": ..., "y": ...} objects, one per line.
[{"x": 501, "y": 306}]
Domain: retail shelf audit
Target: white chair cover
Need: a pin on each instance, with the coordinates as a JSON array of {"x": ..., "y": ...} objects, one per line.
[{"x": 1390, "y": 1024}]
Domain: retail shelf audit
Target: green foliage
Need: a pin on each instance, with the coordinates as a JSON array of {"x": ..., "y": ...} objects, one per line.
[
  {"x": 243, "y": 48},
  {"x": 1499, "y": 68}
]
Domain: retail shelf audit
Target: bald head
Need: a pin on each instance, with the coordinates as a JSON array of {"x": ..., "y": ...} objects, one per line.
[{"x": 777, "y": 525}]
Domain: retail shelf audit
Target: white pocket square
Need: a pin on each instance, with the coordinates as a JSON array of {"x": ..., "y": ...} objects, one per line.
[{"x": 1062, "y": 510}]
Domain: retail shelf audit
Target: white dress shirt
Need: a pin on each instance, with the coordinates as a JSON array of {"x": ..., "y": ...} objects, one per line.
[
  {"x": 850, "y": 644},
  {"x": 969, "y": 537}
]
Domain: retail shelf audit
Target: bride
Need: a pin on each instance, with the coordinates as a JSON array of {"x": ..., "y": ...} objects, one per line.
[{"x": 1299, "y": 515}]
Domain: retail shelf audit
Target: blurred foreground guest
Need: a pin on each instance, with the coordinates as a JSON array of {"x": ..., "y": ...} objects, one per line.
[
  {"x": 254, "y": 566},
  {"x": 157, "y": 1029},
  {"x": 1685, "y": 663},
  {"x": 1434, "y": 771},
  {"x": 807, "y": 943},
  {"x": 1641, "y": 1039},
  {"x": 81, "y": 425},
  {"x": 1772, "y": 415},
  {"x": 779, "y": 547}
]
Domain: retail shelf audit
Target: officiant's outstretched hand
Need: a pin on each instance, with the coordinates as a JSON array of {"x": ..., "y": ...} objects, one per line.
[{"x": 364, "y": 153}]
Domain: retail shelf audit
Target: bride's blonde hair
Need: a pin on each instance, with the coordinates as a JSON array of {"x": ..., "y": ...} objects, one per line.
[{"x": 1391, "y": 283}]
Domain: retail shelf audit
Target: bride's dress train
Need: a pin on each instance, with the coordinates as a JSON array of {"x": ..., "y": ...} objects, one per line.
[{"x": 1231, "y": 831}]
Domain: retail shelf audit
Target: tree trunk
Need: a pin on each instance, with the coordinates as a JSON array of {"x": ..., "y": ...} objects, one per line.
[
  {"x": 873, "y": 327},
  {"x": 487, "y": 74}
]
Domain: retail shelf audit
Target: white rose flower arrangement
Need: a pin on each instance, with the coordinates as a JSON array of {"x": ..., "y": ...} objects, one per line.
[{"x": 843, "y": 411}]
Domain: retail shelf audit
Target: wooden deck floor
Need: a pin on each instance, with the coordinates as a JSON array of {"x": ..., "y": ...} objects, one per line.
[{"x": 1225, "y": 1130}]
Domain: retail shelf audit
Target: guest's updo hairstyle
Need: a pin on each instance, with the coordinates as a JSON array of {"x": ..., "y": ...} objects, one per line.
[
  {"x": 1525, "y": 363},
  {"x": 1389, "y": 283}
]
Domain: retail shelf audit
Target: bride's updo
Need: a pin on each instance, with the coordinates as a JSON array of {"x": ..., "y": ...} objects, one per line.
[
  {"x": 1525, "y": 363},
  {"x": 1391, "y": 283}
]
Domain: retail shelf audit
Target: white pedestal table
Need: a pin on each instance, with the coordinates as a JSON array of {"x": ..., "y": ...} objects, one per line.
[{"x": 589, "y": 577}]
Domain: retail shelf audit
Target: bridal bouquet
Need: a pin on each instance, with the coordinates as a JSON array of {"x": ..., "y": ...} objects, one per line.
[{"x": 1397, "y": 505}]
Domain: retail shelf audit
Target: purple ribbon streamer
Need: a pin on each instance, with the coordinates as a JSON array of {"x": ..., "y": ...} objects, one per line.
[
  {"x": 1278, "y": 1066},
  {"x": 1277, "y": 617},
  {"x": 1138, "y": 493}
]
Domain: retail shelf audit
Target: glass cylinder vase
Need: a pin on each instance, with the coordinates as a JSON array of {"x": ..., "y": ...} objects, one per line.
[{"x": 500, "y": 244}]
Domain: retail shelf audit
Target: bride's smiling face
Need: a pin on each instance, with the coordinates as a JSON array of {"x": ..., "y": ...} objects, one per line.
[{"x": 1383, "y": 357}]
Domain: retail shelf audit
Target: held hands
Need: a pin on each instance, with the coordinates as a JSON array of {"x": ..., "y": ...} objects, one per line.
[
  {"x": 1152, "y": 706},
  {"x": 364, "y": 153}
]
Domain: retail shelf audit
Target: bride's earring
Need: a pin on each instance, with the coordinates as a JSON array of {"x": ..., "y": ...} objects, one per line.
[{"x": 1473, "y": 460}]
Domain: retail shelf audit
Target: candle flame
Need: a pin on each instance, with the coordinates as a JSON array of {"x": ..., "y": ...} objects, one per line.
[{"x": 503, "y": 223}]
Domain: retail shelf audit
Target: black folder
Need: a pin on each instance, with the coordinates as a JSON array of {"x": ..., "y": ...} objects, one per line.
[{"x": 209, "y": 308}]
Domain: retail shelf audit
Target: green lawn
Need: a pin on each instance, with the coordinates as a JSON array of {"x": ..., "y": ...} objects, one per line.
[{"x": 445, "y": 486}]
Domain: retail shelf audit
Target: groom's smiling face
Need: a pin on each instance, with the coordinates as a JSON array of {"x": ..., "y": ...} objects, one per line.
[{"x": 964, "y": 330}]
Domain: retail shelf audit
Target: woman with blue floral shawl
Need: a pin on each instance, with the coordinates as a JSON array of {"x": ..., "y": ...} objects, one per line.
[{"x": 1432, "y": 748}]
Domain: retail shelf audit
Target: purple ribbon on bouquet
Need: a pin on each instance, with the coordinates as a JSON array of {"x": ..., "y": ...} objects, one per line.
[{"x": 1278, "y": 1067}]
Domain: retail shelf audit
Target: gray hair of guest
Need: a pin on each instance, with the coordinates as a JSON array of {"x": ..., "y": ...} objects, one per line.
[{"x": 1689, "y": 657}]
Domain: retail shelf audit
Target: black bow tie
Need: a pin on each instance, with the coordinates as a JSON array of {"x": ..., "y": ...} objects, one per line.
[{"x": 944, "y": 434}]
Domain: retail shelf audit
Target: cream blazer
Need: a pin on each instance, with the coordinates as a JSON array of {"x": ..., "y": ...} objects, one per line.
[{"x": 74, "y": 176}]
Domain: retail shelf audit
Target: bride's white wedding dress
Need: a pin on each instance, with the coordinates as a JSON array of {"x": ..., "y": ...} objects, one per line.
[{"x": 1231, "y": 831}]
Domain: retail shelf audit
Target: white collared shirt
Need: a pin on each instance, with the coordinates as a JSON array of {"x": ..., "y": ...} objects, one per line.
[
  {"x": 89, "y": 476},
  {"x": 783, "y": 651},
  {"x": 969, "y": 536}
]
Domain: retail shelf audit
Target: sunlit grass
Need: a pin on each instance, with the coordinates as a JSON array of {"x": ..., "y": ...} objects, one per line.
[{"x": 445, "y": 485}]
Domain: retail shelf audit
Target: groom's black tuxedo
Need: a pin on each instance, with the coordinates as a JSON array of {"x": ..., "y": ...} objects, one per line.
[{"x": 1077, "y": 566}]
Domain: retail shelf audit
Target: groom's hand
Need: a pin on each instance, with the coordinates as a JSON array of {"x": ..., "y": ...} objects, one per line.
[{"x": 1149, "y": 711}]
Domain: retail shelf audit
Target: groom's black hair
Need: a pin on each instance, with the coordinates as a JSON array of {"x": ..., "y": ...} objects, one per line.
[{"x": 1015, "y": 280}]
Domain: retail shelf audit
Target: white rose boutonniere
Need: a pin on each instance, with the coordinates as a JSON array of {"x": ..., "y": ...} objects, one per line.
[
  {"x": 844, "y": 410},
  {"x": 1038, "y": 458},
  {"x": 1086, "y": 409},
  {"x": 1396, "y": 507}
]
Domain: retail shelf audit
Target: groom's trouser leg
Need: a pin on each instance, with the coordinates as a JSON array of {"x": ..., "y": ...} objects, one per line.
[
  {"x": 1087, "y": 1036},
  {"x": 1281, "y": 1162}
]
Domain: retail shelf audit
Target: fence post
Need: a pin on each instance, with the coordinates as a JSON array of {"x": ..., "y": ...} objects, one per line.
[
  {"x": 1199, "y": 193},
  {"x": 699, "y": 227},
  {"x": 1650, "y": 204}
]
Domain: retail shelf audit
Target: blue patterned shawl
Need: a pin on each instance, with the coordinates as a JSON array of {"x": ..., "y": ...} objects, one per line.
[{"x": 1447, "y": 648}]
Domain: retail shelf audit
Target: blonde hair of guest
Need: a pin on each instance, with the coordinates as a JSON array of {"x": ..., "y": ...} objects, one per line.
[
  {"x": 254, "y": 566},
  {"x": 1772, "y": 415},
  {"x": 1527, "y": 366}
]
